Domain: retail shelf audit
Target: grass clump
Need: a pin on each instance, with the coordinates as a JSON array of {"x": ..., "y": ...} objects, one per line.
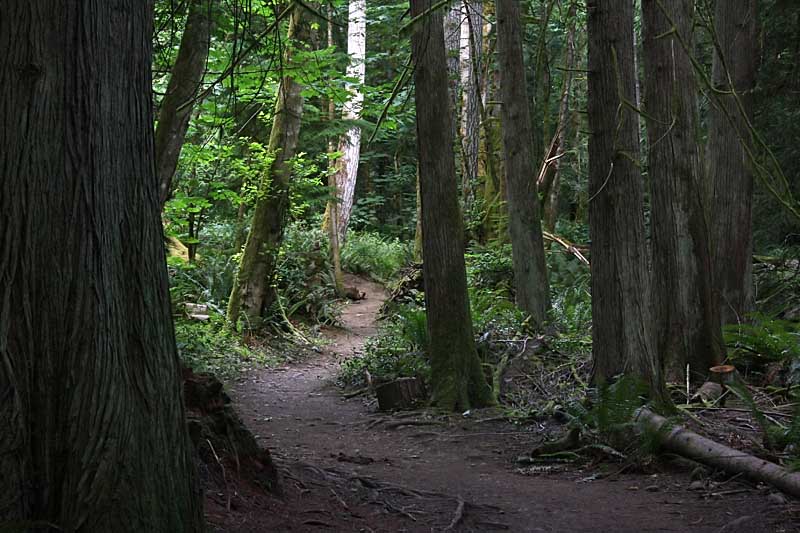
[{"x": 373, "y": 255}]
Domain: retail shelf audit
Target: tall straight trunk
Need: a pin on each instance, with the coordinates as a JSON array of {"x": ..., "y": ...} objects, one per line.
[
  {"x": 471, "y": 48},
  {"x": 452, "y": 43},
  {"x": 457, "y": 379},
  {"x": 685, "y": 312},
  {"x": 730, "y": 173},
  {"x": 332, "y": 211},
  {"x": 530, "y": 270},
  {"x": 552, "y": 189},
  {"x": 253, "y": 293},
  {"x": 621, "y": 324},
  {"x": 93, "y": 431},
  {"x": 350, "y": 143},
  {"x": 184, "y": 85}
]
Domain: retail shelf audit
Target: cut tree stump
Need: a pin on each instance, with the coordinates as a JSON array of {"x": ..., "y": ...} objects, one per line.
[{"x": 403, "y": 393}]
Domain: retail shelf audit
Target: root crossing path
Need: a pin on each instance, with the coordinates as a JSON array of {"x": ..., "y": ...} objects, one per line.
[{"x": 347, "y": 467}]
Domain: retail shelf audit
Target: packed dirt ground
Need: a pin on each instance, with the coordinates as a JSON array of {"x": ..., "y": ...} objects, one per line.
[{"x": 345, "y": 466}]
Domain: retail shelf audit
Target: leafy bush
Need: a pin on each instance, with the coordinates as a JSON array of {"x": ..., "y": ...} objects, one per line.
[
  {"x": 212, "y": 347},
  {"x": 375, "y": 256},
  {"x": 762, "y": 341},
  {"x": 490, "y": 267},
  {"x": 304, "y": 270}
]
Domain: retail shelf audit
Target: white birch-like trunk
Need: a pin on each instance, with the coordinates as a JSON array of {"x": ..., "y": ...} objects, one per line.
[{"x": 350, "y": 142}]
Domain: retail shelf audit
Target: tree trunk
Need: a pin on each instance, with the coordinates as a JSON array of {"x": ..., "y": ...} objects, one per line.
[
  {"x": 350, "y": 143},
  {"x": 93, "y": 432},
  {"x": 458, "y": 382},
  {"x": 452, "y": 43},
  {"x": 621, "y": 329},
  {"x": 685, "y": 313},
  {"x": 730, "y": 174},
  {"x": 530, "y": 270},
  {"x": 184, "y": 85},
  {"x": 551, "y": 192},
  {"x": 470, "y": 68},
  {"x": 332, "y": 210},
  {"x": 252, "y": 292}
]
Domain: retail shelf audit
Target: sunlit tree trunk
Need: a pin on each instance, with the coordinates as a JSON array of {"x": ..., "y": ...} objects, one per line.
[
  {"x": 730, "y": 174},
  {"x": 350, "y": 143},
  {"x": 92, "y": 428},
  {"x": 685, "y": 312},
  {"x": 530, "y": 270},
  {"x": 621, "y": 324},
  {"x": 452, "y": 43},
  {"x": 457, "y": 379},
  {"x": 185, "y": 82},
  {"x": 471, "y": 48},
  {"x": 332, "y": 210},
  {"x": 253, "y": 292}
]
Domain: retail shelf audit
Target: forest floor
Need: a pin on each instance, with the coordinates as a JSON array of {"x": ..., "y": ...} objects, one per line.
[{"x": 348, "y": 467}]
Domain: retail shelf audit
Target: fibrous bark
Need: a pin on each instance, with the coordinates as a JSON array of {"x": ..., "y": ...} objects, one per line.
[
  {"x": 621, "y": 327},
  {"x": 456, "y": 377},
  {"x": 350, "y": 143},
  {"x": 730, "y": 172},
  {"x": 252, "y": 292},
  {"x": 93, "y": 434},
  {"x": 685, "y": 312},
  {"x": 530, "y": 270},
  {"x": 184, "y": 85},
  {"x": 471, "y": 49}
]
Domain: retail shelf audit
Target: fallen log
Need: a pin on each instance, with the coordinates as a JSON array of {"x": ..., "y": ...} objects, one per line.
[{"x": 679, "y": 440}]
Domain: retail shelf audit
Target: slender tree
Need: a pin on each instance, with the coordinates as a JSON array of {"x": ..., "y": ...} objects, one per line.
[
  {"x": 457, "y": 380},
  {"x": 685, "y": 312},
  {"x": 252, "y": 292},
  {"x": 735, "y": 66},
  {"x": 93, "y": 432},
  {"x": 350, "y": 143},
  {"x": 530, "y": 270},
  {"x": 621, "y": 326},
  {"x": 471, "y": 50},
  {"x": 185, "y": 81}
]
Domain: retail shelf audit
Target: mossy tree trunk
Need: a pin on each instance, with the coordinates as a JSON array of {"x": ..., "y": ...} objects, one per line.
[
  {"x": 185, "y": 82},
  {"x": 93, "y": 434},
  {"x": 621, "y": 329},
  {"x": 524, "y": 219},
  {"x": 253, "y": 292},
  {"x": 685, "y": 311},
  {"x": 457, "y": 379}
]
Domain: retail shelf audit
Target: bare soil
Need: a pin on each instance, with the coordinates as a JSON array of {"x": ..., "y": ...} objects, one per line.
[{"x": 347, "y": 467}]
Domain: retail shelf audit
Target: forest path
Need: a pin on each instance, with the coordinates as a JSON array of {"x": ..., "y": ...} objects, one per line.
[{"x": 346, "y": 469}]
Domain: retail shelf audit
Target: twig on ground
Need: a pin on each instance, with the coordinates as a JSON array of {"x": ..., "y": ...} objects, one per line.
[{"x": 458, "y": 516}]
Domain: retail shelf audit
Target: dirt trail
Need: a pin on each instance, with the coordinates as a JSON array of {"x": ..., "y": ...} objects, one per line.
[{"x": 345, "y": 470}]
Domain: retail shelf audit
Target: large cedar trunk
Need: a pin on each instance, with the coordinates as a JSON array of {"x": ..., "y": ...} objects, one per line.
[
  {"x": 621, "y": 330},
  {"x": 457, "y": 380},
  {"x": 252, "y": 293},
  {"x": 530, "y": 270},
  {"x": 730, "y": 174},
  {"x": 685, "y": 312},
  {"x": 93, "y": 436},
  {"x": 184, "y": 84},
  {"x": 470, "y": 68}
]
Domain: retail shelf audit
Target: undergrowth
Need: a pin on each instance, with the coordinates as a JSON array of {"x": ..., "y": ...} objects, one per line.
[{"x": 373, "y": 255}]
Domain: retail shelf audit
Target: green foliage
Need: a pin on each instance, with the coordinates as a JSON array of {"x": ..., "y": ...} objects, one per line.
[
  {"x": 762, "y": 340},
  {"x": 490, "y": 267},
  {"x": 212, "y": 347},
  {"x": 396, "y": 351},
  {"x": 305, "y": 274},
  {"x": 376, "y": 256}
]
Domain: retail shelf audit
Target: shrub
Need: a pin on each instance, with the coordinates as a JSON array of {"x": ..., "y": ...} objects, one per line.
[{"x": 375, "y": 256}]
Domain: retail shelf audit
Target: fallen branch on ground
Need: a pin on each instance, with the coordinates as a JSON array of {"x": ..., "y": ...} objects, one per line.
[{"x": 679, "y": 440}]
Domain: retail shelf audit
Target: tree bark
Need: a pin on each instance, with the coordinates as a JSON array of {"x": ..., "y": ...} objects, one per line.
[
  {"x": 530, "y": 270},
  {"x": 621, "y": 328},
  {"x": 184, "y": 85},
  {"x": 93, "y": 432},
  {"x": 350, "y": 143},
  {"x": 685, "y": 312},
  {"x": 471, "y": 49},
  {"x": 735, "y": 67},
  {"x": 452, "y": 43},
  {"x": 458, "y": 382},
  {"x": 253, "y": 293}
]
